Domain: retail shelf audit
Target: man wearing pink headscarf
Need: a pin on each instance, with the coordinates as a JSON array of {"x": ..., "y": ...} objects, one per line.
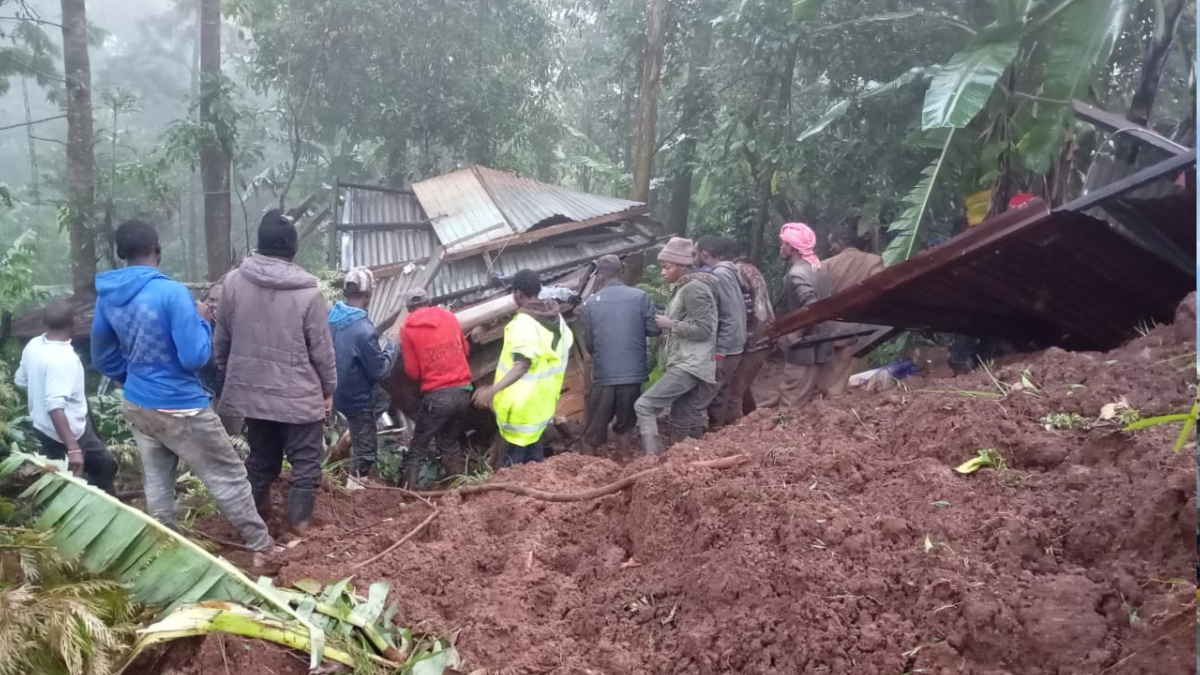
[{"x": 804, "y": 284}]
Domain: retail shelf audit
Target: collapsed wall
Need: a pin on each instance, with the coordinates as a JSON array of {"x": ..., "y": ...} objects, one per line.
[{"x": 848, "y": 544}]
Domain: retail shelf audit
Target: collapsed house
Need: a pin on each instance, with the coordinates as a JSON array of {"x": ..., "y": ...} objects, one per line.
[
  {"x": 460, "y": 236},
  {"x": 1088, "y": 275}
]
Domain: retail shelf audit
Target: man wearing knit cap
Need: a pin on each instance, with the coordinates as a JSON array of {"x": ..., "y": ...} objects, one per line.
[
  {"x": 361, "y": 364},
  {"x": 617, "y": 319},
  {"x": 687, "y": 352},
  {"x": 273, "y": 342},
  {"x": 804, "y": 284}
]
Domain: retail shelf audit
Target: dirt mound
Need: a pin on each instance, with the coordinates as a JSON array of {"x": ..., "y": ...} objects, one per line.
[{"x": 848, "y": 544}]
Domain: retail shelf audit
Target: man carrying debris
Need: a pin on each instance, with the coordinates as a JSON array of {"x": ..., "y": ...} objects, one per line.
[
  {"x": 687, "y": 353},
  {"x": 361, "y": 364},
  {"x": 53, "y": 375},
  {"x": 529, "y": 376},
  {"x": 805, "y": 283},
  {"x": 435, "y": 355},
  {"x": 273, "y": 342},
  {"x": 759, "y": 313},
  {"x": 147, "y": 335},
  {"x": 848, "y": 266},
  {"x": 717, "y": 253},
  {"x": 617, "y": 319}
]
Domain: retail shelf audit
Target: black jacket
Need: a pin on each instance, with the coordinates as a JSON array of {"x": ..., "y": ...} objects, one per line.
[{"x": 616, "y": 322}]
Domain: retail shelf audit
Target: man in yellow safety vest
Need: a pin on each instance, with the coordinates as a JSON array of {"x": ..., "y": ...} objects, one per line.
[{"x": 530, "y": 373}]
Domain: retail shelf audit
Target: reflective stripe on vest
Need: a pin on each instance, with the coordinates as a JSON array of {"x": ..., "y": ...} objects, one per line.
[{"x": 526, "y": 407}]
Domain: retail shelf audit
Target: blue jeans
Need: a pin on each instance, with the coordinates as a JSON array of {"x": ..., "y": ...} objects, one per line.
[{"x": 516, "y": 454}]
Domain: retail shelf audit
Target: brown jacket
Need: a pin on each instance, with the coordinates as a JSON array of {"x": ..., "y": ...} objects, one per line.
[
  {"x": 272, "y": 340},
  {"x": 846, "y": 269}
]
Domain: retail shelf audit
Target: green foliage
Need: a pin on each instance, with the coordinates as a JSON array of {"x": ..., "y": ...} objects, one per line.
[
  {"x": 988, "y": 458},
  {"x": 1187, "y": 419},
  {"x": 907, "y": 229},
  {"x": 1053, "y": 421},
  {"x": 962, "y": 87},
  {"x": 55, "y": 618}
]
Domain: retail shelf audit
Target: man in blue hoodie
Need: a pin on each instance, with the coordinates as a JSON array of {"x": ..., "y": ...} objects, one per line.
[
  {"x": 148, "y": 335},
  {"x": 361, "y": 364}
]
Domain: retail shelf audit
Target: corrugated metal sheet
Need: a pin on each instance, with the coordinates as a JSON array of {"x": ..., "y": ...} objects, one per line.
[
  {"x": 375, "y": 247},
  {"x": 476, "y": 205},
  {"x": 388, "y": 297},
  {"x": 1040, "y": 278}
]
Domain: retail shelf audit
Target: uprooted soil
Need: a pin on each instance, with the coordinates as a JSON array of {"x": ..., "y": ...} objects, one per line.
[{"x": 848, "y": 543}]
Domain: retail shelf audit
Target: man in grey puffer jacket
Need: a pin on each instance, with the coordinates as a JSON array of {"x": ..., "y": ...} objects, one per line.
[
  {"x": 274, "y": 345},
  {"x": 717, "y": 253}
]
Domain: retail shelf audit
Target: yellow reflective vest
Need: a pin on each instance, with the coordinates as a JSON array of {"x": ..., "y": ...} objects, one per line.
[{"x": 526, "y": 408}]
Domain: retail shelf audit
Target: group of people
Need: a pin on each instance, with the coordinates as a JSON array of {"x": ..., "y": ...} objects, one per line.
[{"x": 285, "y": 362}]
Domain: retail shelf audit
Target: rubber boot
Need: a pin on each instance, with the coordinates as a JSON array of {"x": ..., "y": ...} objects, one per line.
[
  {"x": 412, "y": 473},
  {"x": 649, "y": 434},
  {"x": 621, "y": 444},
  {"x": 262, "y": 504},
  {"x": 455, "y": 461},
  {"x": 300, "y": 509}
]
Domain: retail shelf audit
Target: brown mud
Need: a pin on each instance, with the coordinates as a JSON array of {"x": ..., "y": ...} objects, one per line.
[{"x": 848, "y": 544}]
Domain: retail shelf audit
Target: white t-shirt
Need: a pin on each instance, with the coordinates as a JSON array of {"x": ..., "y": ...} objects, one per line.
[{"x": 53, "y": 374}]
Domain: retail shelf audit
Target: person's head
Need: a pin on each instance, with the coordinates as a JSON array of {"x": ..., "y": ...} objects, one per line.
[
  {"x": 416, "y": 299},
  {"x": 608, "y": 267},
  {"x": 277, "y": 236},
  {"x": 526, "y": 285},
  {"x": 797, "y": 241},
  {"x": 137, "y": 243},
  {"x": 842, "y": 238},
  {"x": 59, "y": 317},
  {"x": 676, "y": 258},
  {"x": 358, "y": 286},
  {"x": 707, "y": 250}
]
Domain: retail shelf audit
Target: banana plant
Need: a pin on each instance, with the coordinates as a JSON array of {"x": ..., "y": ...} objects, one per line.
[{"x": 161, "y": 568}]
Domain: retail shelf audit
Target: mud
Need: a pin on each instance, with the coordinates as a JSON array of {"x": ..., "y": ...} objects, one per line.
[{"x": 848, "y": 544}]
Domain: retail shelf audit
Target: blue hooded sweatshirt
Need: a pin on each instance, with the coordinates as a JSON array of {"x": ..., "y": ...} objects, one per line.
[
  {"x": 147, "y": 334},
  {"x": 361, "y": 362}
]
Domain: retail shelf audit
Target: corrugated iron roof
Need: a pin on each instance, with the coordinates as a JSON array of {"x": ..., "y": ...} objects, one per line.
[
  {"x": 379, "y": 205},
  {"x": 375, "y": 248},
  {"x": 477, "y": 205},
  {"x": 375, "y": 245},
  {"x": 1042, "y": 278}
]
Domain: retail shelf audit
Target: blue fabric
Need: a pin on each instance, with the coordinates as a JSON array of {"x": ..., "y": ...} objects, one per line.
[
  {"x": 148, "y": 335},
  {"x": 361, "y": 362}
]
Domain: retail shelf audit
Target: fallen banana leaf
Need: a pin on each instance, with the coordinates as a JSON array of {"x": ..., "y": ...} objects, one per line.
[
  {"x": 377, "y": 639},
  {"x": 235, "y": 619},
  {"x": 160, "y": 567},
  {"x": 1188, "y": 420},
  {"x": 987, "y": 458}
]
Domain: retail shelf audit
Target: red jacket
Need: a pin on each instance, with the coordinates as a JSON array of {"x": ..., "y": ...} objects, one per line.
[{"x": 435, "y": 349}]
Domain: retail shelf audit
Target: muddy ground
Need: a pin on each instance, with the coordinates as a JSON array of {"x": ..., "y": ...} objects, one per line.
[{"x": 847, "y": 544}]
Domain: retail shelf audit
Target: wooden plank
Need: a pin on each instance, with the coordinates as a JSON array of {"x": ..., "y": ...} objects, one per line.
[
  {"x": 377, "y": 188},
  {"x": 334, "y": 244}
]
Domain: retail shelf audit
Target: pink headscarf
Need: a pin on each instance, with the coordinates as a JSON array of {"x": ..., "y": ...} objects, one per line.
[{"x": 801, "y": 237}]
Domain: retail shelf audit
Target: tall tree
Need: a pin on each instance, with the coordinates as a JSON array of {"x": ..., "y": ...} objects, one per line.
[
  {"x": 644, "y": 143},
  {"x": 81, "y": 158},
  {"x": 215, "y": 151}
]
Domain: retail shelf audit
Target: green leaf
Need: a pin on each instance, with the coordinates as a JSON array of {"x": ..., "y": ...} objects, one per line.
[
  {"x": 803, "y": 10},
  {"x": 161, "y": 567},
  {"x": 962, "y": 87},
  {"x": 839, "y": 109},
  {"x": 907, "y": 227},
  {"x": 1078, "y": 46}
]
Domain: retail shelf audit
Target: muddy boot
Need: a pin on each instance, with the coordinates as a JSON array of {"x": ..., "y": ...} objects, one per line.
[
  {"x": 621, "y": 444},
  {"x": 262, "y": 504},
  {"x": 300, "y": 510},
  {"x": 455, "y": 462},
  {"x": 650, "y": 440}
]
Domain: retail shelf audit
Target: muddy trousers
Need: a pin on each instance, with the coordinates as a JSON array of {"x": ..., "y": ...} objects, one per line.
[
  {"x": 441, "y": 416},
  {"x": 301, "y": 444},
  {"x": 835, "y": 375},
  {"x": 686, "y": 395},
  {"x": 99, "y": 465},
  {"x": 610, "y": 403},
  {"x": 200, "y": 441},
  {"x": 798, "y": 387},
  {"x": 740, "y": 398},
  {"x": 727, "y": 368}
]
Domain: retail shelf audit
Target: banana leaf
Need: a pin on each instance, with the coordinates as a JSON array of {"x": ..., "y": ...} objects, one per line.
[
  {"x": 907, "y": 227},
  {"x": 962, "y": 87},
  {"x": 839, "y": 109},
  {"x": 160, "y": 567},
  {"x": 1079, "y": 44}
]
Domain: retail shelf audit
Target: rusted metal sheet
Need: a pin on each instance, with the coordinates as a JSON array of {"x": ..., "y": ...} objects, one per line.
[{"x": 1040, "y": 278}]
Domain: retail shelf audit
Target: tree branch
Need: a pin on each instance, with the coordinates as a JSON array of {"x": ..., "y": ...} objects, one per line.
[
  {"x": 40, "y": 22},
  {"x": 27, "y": 124}
]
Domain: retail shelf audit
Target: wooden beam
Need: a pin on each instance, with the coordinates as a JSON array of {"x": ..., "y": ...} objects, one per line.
[
  {"x": 378, "y": 188},
  {"x": 1114, "y": 123},
  {"x": 537, "y": 235}
]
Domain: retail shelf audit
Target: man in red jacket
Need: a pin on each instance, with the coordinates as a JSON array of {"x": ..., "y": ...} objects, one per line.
[{"x": 435, "y": 355}]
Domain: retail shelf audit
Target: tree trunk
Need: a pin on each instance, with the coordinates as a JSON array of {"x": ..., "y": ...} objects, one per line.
[
  {"x": 647, "y": 114},
  {"x": 81, "y": 158},
  {"x": 777, "y": 111},
  {"x": 695, "y": 99},
  {"x": 214, "y": 147},
  {"x": 195, "y": 219},
  {"x": 1157, "y": 51}
]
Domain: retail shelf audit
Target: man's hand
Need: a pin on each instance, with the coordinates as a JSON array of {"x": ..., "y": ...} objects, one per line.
[
  {"x": 75, "y": 461},
  {"x": 328, "y": 406},
  {"x": 482, "y": 398},
  {"x": 664, "y": 322}
]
